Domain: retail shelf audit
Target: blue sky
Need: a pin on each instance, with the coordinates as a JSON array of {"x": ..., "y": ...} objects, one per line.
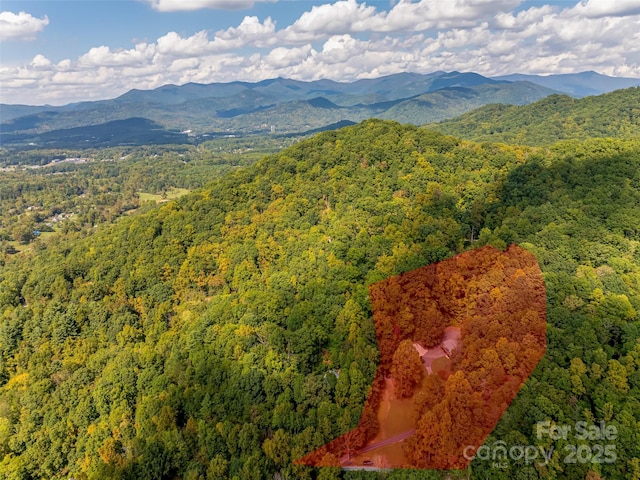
[{"x": 57, "y": 52}]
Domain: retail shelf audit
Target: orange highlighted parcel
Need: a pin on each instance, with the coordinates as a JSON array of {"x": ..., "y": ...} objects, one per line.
[{"x": 457, "y": 341}]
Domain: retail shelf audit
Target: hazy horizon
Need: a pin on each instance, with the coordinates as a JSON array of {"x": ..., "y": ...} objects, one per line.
[{"x": 78, "y": 101}]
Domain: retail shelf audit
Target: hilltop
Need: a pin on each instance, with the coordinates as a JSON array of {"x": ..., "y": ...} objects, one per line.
[{"x": 557, "y": 117}]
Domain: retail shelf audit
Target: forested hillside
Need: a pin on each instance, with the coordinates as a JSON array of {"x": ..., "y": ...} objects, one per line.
[
  {"x": 554, "y": 118},
  {"x": 227, "y": 333}
]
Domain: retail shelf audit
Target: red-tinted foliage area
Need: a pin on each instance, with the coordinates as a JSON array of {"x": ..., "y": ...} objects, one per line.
[{"x": 458, "y": 338}]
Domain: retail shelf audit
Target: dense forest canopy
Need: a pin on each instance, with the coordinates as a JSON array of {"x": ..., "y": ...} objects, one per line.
[{"x": 226, "y": 333}]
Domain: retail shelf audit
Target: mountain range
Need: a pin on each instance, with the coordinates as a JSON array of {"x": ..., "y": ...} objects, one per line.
[
  {"x": 576, "y": 84},
  {"x": 195, "y": 112}
]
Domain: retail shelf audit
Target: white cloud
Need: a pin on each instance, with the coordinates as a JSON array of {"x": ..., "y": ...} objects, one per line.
[
  {"x": 524, "y": 18},
  {"x": 429, "y": 14},
  {"x": 603, "y": 8},
  {"x": 350, "y": 16},
  {"x": 93, "y": 77},
  {"x": 64, "y": 64},
  {"x": 182, "y": 64},
  {"x": 188, "y": 5},
  {"x": 174, "y": 45},
  {"x": 344, "y": 16},
  {"x": 282, "y": 57},
  {"x": 349, "y": 39},
  {"x": 20, "y": 26},
  {"x": 103, "y": 56},
  {"x": 40, "y": 61},
  {"x": 458, "y": 37},
  {"x": 250, "y": 32}
]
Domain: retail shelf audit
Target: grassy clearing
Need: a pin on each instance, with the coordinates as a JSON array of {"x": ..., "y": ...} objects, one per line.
[
  {"x": 441, "y": 366},
  {"x": 160, "y": 198},
  {"x": 21, "y": 247},
  {"x": 17, "y": 246},
  {"x": 398, "y": 418}
]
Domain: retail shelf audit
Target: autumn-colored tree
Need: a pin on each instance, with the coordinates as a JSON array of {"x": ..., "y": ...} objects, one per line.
[
  {"x": 593, "y": 475},
  {"x": 407, "y": 369},
  {"x": 430, "y": 324},
  {"x": 329, "y": 460},
  {"x": 424, "y": 449},
  {"x": 431, "y": 394}
]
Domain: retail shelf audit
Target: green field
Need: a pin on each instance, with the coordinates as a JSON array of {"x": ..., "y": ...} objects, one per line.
[
  {"x": 21, "y": 247},
  {"x": 162, "y": 197}
]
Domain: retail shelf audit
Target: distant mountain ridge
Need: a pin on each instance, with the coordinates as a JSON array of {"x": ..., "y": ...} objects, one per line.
[
  {"x": 576, "y": 84},
  {"x": 278, "y": 105},
  {"x": 131, "y": 131},
  {"x": 272, "y": 91}
]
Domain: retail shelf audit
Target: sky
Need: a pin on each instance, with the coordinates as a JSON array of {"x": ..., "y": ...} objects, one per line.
[{"x": 57, "y": 52}]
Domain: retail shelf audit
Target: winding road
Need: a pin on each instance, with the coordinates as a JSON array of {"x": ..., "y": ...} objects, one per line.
[{"x": 388, "y": 441}]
